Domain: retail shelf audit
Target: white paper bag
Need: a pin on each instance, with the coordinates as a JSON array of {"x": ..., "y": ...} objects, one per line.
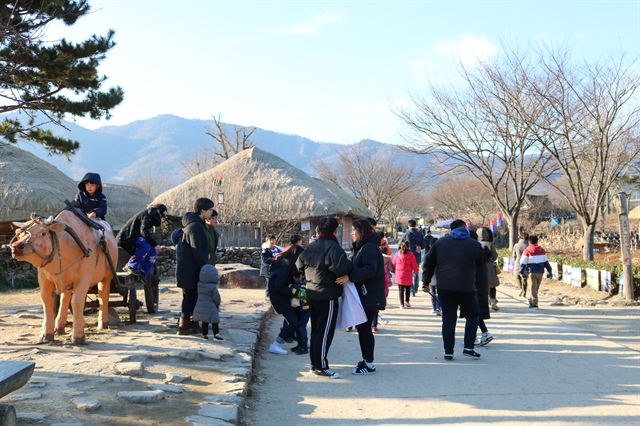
[{"x": 350, "y": 312}]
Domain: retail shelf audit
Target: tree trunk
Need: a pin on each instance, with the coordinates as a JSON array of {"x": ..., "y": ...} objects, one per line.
[
  {"x": 587, "y": 245},
  {"x": 512, "y": 224}
]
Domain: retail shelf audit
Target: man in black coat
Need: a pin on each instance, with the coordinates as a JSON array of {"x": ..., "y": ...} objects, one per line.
[
  {"x": 323, "y": 262},
  {"x": 414, "y": 238},
  {"x": 458, "y": 263},
  {"x": 136, "y": 237},
  {"x": 192, "y": 253}
]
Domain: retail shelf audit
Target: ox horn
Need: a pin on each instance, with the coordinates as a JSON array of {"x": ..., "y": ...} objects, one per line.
[
  {"x": 49, "y": 220},
  {"x": 19, "y": 224}
]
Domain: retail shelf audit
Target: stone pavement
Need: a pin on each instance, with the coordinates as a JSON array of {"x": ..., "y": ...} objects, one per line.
[{"x": 556, "y": 365}]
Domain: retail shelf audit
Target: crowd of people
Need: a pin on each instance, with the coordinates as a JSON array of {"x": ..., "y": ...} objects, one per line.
[{"x": 459, "y": 272}]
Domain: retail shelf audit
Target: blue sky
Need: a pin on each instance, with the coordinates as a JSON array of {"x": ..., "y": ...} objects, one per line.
[{"x": 330, "y": 71}]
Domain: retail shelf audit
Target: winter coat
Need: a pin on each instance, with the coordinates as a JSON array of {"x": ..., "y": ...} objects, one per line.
[
  {"x": 415, "y": 239},
  {"x": 213, "y": 237},
  {"x": 459, "y": 262},
  {"x": 208, "y": 305},
  {"x": 266, "y": 257},
  {"x": 491, "y": 256},
  {"x": 404, "y": 265},
  {"x": 368, "y": 274},
  {"x": 192, "y": 252},
  {"x": 429, "y": 240},
  {"x": 534, "y": 260},
  {"x": 278, "y": 283},
  {"x": 518, "y": 249},
  {"x": 322, "y": 263},
  {"x": 387, "y": 273},
  {"x": 96, "y": 203},
  {"x": 140, "y": 225},
  {"x": 292, "y": 253}
]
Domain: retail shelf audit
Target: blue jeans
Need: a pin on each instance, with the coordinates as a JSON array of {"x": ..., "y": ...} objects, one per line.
[
  {"x": 416, "y": 276},
  {"x": 144, "y": 257},
  {"x": 435, "y": 302}
]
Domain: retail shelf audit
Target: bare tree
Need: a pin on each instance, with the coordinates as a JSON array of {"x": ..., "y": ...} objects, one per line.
[
  {"x": 477, "y": 129},
  {"x": 376, "y": 182},
  {"x": 200, "y": 160},
  {"x": 153, "y": 185},
  {"x": 589, "y": 126},
  {"x": 226, "y": 148},
  {"x": 466, "y": 198}
]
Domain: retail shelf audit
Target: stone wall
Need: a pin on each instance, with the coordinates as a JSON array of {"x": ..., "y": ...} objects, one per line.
[
  {"x": 14, "y": 274},
  {"x": 166, "y": 262}
]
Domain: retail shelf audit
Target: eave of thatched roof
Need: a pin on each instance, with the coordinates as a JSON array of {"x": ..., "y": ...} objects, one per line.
[
  {"x": 635, "y": 214},
  {"x": 29, "y": 184},
  {"x": 258, "y": 185}
]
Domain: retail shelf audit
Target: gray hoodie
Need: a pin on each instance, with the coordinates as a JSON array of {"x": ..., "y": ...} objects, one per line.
[{"x": 208, "y": 305}]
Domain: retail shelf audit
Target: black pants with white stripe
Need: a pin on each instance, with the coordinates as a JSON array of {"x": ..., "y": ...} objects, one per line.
[{"x": 323, "y": 314}]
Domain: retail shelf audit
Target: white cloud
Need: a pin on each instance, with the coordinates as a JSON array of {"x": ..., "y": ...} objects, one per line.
[
  {"x": 467, "y": 49},
  {"x": 308, "y": 27}
]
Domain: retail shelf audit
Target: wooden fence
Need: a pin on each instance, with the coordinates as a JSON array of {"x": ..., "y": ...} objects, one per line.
[{"x": 241, "y": 235}]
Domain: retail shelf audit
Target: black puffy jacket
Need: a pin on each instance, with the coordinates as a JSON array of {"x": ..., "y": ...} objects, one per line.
[
  {"x": 96, "y": 203},
  {"x": 192, "y": 253},
  {"x": 368, "y": 273},
  {"x": 279, "y": 280},
  {"x": 139, "y": 225},
  {"x": 322, "y": 262}
]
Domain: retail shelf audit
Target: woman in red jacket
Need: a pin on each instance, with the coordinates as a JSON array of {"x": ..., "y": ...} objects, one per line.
[{"x": 404, "y": 264}]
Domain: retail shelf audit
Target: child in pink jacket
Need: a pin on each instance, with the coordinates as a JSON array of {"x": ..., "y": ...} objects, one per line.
[{"x": 404, "y": 263}]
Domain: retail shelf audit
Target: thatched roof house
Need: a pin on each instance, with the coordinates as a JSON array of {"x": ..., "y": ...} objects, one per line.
[
  {"x": 123, "y": 202},
  {"x": 29, "y": 184},
  {"x": 255, "y": 185}
]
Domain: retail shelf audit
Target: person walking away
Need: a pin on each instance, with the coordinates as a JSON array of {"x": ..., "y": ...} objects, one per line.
[
  {"x": 207, "y": 307},
  {"x": 136, "y": 238},
  {"x": 458, "y": 262},
  {"x": 90, "y": 198},
  {"x": 322, "y": 263},
  {"x": 534, "y": 261},
  {"x": 415, "y": 240},
  {"x": 367, "y": 274},
  {"x": 429, "y": 240},
  {"x": 192, "y": 253},
  {"x": 436, "y": 308},
  {"x": 404, "y": 264},
  {"x": 517, "y": 251},
  {"x": 213, "y": 237},
  {"x": 484, "y": 293}
]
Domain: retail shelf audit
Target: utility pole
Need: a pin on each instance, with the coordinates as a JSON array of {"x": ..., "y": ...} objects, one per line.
[{"x": 625, "y": 247}]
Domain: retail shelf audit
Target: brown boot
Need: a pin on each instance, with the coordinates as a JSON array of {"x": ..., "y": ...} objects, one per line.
[
  {"x": 194, "y": 327},
  {"x": 183, "y": 327}
]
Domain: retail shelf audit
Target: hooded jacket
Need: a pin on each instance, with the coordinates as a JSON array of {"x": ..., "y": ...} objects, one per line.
[
  {"x": 96, "y": 203},
  {"x": 208, "y": 305},
  {"x": 458, "y": 261},
  {"x": 404, "y": 265},
  {"x": 192, "y": 252},
  {"x": 139, "y": 225},
  {"x": 368, "y": 273},
  {"x": 322, "y": 262}
]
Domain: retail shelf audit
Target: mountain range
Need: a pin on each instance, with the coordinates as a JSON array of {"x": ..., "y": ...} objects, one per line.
[{"x": 156, "y": 146}]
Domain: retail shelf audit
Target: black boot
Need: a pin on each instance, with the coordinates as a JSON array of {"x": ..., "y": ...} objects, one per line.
[{"x": 302, "y": 347}]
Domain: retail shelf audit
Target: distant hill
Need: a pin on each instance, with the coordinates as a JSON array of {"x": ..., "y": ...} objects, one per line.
[{"x": 155, "y": 146}]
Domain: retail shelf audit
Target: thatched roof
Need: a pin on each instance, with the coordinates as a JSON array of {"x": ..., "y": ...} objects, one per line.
[
  {"x": 258, "y": 185},
  {"x": 635, "y": 213},
  {"x": 123, "y": 202},
  {"x": 29, "y": 184}
]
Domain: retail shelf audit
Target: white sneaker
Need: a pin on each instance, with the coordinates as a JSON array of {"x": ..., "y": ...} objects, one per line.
[
  {"x": 275, "y": 348},
  {"x": 484, "y": 339}
]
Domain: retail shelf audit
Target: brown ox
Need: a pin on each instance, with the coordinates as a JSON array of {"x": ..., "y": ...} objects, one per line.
[{"x": 64, "y": 269}]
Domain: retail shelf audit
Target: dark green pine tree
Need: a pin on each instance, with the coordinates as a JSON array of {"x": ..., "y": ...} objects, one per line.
[{"x": 49, "y": 79}]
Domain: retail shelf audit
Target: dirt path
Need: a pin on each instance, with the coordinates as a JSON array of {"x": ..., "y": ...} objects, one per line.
[
  {"x": 557, "y": 365},
  {"x": 218, "y": 370}
]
